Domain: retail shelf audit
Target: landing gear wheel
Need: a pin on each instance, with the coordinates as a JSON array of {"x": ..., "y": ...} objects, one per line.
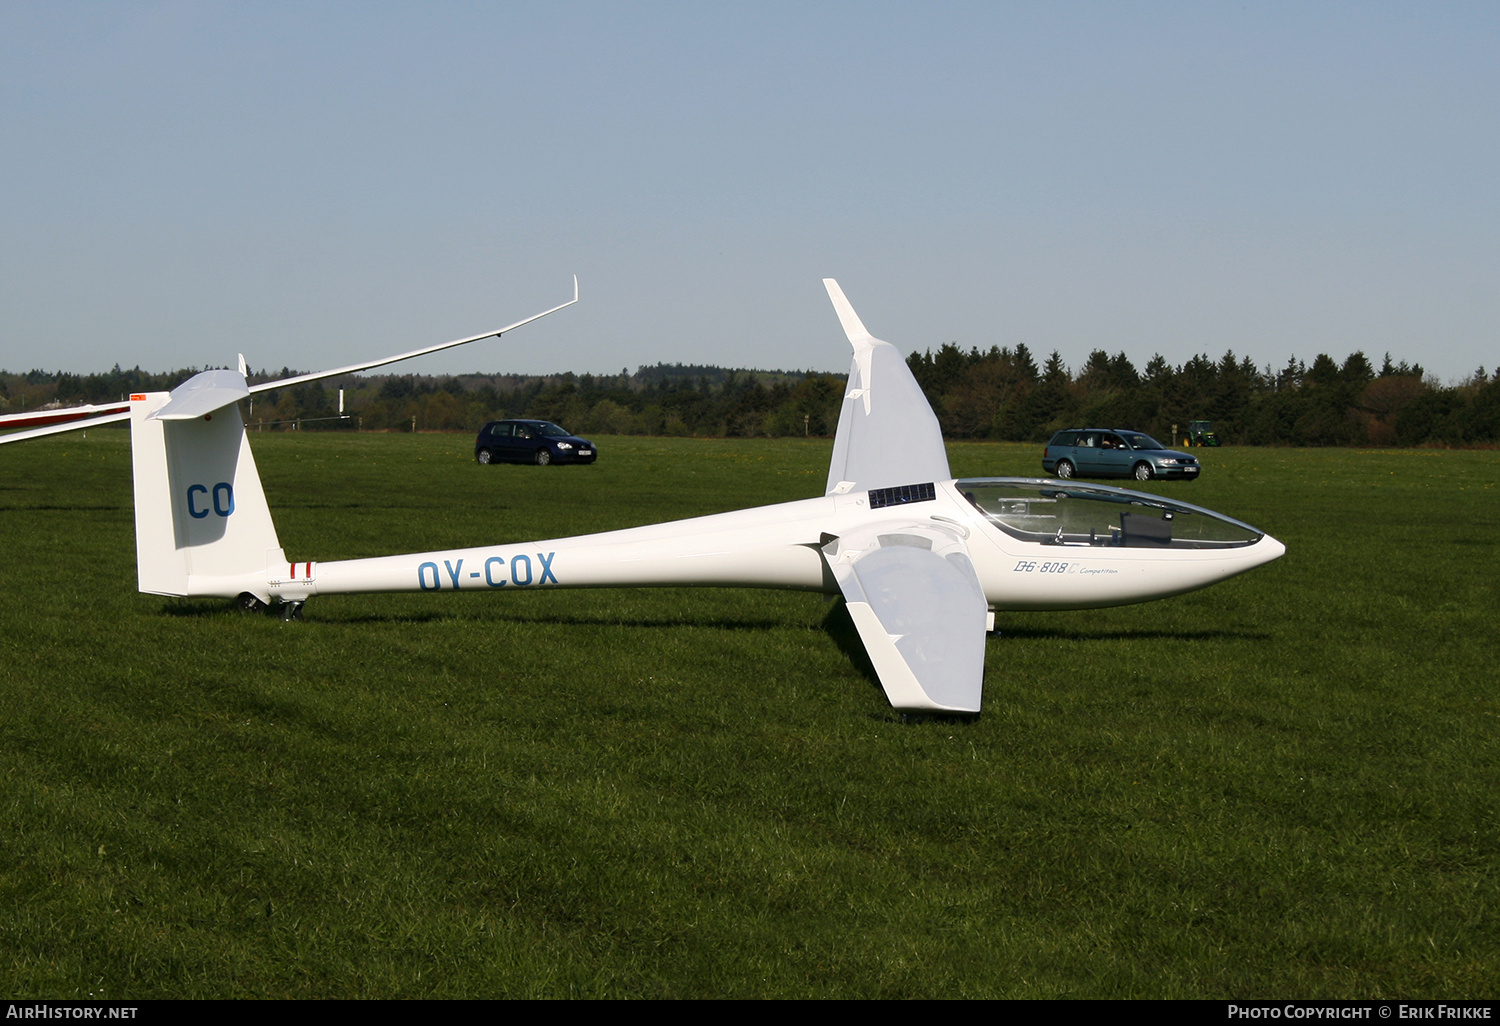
[
  {"x": 1064, "y": 469},
  {"x": 291, "y": 611},
  {"x": 248, "y": 603},
  {"x": 483, "y": 456},
  {"x": 1143, "y": 471},
  {"x": 543, "y": 457}
]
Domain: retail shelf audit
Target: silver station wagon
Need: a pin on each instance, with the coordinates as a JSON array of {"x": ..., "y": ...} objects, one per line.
[{"x": 1111, "y": 452}]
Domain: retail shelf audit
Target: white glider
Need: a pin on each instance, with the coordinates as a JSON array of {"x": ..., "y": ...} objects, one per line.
[{"x": 922, "y": 561}]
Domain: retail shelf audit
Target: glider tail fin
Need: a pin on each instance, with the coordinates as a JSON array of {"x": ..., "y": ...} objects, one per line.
[{"x": 202, "y": 524}]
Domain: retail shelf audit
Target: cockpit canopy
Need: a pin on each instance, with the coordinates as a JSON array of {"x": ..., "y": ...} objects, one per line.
[{"x": 1063, "y": 513}]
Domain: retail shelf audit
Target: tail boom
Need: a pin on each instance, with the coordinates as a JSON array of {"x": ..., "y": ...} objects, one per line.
[{"x": 770, "y": 547}]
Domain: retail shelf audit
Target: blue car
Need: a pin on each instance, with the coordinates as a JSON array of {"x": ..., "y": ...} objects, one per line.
[
  {"x": 531, "y": 441},
  {"x": 1110, "y": 452}
]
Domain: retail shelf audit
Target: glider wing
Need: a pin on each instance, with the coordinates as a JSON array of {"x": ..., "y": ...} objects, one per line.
[
  {"x": 887, "y": 434},
  {"x": 915, "y": 598},
  {"x": 46, "y": 418},
  {"x": 212, "y": 390},
  {"x": 61, "y": 424},
  {"x": 354, "y": 368}
]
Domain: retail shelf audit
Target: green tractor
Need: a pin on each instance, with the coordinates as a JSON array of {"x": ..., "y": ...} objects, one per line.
[{"x": 1199, "y": 433}]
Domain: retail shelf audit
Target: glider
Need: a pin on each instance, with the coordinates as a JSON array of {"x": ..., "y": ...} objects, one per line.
[{"x": 922, "y": 561}]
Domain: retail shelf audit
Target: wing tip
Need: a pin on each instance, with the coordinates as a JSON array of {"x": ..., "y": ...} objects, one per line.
[{"x": 854, "y": 328}]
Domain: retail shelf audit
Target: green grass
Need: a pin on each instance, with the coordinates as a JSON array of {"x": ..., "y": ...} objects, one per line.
[{"x": 1285, "y": 786}]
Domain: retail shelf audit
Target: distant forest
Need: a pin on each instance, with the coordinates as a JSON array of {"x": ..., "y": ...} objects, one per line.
[{"x": 1000, "y": 394}]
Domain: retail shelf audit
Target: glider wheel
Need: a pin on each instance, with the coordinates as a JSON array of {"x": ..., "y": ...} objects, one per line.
[{"x": 248, "y": 603}]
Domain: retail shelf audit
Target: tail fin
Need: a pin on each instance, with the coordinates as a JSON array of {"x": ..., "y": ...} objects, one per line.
[{"x": 202, "y": 524}]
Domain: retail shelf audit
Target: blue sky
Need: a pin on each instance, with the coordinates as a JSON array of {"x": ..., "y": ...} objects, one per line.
[{"x": 313, "y": 183}]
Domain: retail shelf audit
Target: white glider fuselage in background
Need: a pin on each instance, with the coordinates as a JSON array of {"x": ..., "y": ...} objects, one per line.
[{"x": 922, "y": 561}]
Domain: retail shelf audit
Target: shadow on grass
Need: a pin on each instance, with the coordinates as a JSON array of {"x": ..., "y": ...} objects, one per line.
[
  {"x": 1073, "y": 634},
  {"x": 489, "y": 618},
  {"x": 566, "y": 620},
  {"x": 837, "y": 624},
  {"x": 77, "y": 508},
  {"x": 200, "y": 607}
]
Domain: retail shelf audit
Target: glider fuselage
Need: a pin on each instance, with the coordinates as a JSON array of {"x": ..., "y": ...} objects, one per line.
[{"x": 780, "y": 546}]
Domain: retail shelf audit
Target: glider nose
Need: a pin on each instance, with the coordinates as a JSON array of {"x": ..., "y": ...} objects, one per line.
[{"x": 1267, "y": 549}]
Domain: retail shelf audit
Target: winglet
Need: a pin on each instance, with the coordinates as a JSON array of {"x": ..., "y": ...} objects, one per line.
[{"x": 853, "y": 326}]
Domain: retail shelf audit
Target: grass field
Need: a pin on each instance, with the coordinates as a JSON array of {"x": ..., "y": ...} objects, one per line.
[{"x": 1284, "y": 786}]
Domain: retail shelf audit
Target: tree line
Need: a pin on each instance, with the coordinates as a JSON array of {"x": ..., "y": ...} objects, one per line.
[{"x": 1001, "y": 393}]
